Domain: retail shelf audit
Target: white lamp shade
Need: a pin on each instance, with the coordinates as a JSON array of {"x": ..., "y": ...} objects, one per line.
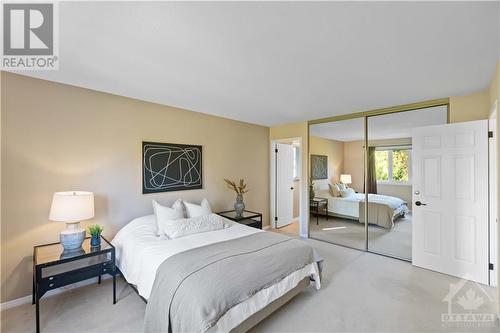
[
  {"x": 346, "y": 179},
  {"x": 73, "y": 206}
]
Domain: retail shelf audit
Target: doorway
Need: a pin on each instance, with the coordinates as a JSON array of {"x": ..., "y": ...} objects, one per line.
[{"x": 286, "y": 185}]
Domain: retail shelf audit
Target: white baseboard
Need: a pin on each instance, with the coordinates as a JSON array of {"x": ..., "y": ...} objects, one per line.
[
  {"x": 27, "y": 299},
  {"x": 15, "y": 302},
  {"x": 266, "y": 227}
]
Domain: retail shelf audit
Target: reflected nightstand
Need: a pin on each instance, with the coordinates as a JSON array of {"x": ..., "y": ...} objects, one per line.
[{"x": 316, "y": 205}]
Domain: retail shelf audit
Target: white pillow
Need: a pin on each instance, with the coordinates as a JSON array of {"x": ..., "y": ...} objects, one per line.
[
  {"x": 166, "y": 214},
  {"x": 347, "y": 192},
  {"x": 334, "y": 190},
  {"x": 194, "y": 210},
  {"x": 341, "y": 186},
  {"x": 193, "y": 225}
]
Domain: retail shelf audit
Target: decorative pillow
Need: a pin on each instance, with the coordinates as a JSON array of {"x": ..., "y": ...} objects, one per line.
[
  {"x": 165, "y": 214},
  {"x": 183, "y": 227},
  {"x": 334, "y": 190},
  {"x": 347, "y": 192},
  {"x": 341, "y": 186},
  {"x": 194, "y": 210}
]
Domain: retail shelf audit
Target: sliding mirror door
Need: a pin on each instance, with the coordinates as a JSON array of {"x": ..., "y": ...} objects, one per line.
[
  {"x": 336, "y": 153},
  {"x": 389, "y": 178}
]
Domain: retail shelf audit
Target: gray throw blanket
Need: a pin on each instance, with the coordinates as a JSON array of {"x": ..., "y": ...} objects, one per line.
[{"x": 193, "y": 289}]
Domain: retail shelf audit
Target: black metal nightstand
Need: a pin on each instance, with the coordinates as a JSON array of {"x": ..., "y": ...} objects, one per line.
[
  {"x": 53, "y": 267},
  {"x": 315, "y": 206},
  {"x": 249, "y": 218}
]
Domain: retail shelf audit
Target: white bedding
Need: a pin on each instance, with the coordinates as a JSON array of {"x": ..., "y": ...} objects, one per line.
[
  {"x": 139, "y": 253},
  {"x": 349, "y": 206}
]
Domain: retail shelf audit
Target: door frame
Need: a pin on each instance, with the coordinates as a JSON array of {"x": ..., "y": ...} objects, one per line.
[
  {"x": 493, "y": 196},
  {"x": 273, "y": 182}
]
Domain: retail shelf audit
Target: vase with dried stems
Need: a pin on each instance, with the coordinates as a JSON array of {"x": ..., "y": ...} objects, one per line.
[{"x": 240, "y": 189}]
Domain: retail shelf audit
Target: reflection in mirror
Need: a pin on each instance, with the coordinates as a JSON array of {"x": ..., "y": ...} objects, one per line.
[
  {"x": 389, "y": 178},
  {"x": 337, "y": 176}
]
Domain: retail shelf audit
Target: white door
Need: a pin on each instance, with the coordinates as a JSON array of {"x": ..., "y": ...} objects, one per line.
[
  {"x": 284, "y": 185},
  {"x": 450, "y": 199}
]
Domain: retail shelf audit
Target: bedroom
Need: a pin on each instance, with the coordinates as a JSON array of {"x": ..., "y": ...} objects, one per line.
[{"x": 139, "y": 188}]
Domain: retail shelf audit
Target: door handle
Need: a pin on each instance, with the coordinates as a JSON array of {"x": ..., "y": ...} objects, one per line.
[
  {"x": 291, "y": 188},
  {"x": 418, "y": 203}
]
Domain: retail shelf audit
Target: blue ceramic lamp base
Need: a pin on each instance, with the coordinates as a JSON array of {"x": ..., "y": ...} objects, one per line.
[{"x": 72, "y": 237}]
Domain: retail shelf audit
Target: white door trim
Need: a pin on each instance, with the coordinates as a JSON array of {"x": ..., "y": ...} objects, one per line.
[
  {"x": 272, "y": 182},
  {"x": 493, "y": 196}
]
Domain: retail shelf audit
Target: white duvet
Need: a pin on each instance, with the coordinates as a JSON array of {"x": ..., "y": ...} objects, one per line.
[
  {"x": 349, "y": 206},
  {"x": 139, "y": 253}
]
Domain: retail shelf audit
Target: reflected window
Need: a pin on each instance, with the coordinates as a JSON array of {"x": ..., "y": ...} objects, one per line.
[{"x": 393, "y": 165}]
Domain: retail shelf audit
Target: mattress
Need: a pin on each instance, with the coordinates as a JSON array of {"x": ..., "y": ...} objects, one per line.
[
  {"x": 348, "y": 207},
  {"x": 139, "y": 253}
]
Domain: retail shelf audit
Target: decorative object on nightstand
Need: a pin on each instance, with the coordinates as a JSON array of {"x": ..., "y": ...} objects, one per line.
[
  {"x": 54, "y": 267},
  {"x": 95, "y": 235},
  {"x": 72, "y": 207},
  {"x": 239, "y": 205},
  {"x": 345, "y": 179},
  {"x": 311, "y": 191},
  {"x": 247, "y": 217}
]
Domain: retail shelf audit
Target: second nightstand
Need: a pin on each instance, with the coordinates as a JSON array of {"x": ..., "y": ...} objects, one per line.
[{"x": 249, "y": 218}]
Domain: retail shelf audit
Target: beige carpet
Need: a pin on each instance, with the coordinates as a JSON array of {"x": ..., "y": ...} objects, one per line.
[
  {"x": 361, "y": 292},
  {"x": 395, "y": 242},
  {"x": 292, "y": 229}
]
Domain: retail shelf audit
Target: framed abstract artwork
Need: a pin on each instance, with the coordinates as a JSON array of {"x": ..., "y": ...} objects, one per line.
[
  {"x": 319, "y": 167},
  {"x": 171, "y": 167}
]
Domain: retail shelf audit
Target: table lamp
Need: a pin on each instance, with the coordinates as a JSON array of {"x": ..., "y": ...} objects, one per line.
[
  {"x": 71, "y": 208},
  {"x": 345, "y": 179}
]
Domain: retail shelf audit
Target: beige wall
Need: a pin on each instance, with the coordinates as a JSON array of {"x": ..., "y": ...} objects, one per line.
[
  {"x": 399, "y": 191},
  {"x": 494, "y": 90},
  {"x": 354, "y": 163},
  {"x": 57, "y": 137},
  {"x": 469, "y": 107},
  {"x": 335, "y": 152}
]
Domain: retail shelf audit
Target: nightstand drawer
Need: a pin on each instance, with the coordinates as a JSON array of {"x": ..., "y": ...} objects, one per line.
[
  {"x": 76, "y": 264},
  {"x": 63, "y": 279},
  {"x": 255, "y": 224}
]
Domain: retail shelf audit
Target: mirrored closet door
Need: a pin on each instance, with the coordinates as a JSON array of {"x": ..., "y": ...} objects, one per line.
[
  {"x": 389, "y": 178},
  {"x": 336, "y": 157},
  {"x": 361, "y": 192}
]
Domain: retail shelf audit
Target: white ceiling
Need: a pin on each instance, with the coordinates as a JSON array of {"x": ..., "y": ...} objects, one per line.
[
  {"x": 392, "y": 126},
  {"x": 278, "y": 62}
]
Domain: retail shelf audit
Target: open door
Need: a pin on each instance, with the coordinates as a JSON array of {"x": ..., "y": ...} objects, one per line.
[
  {"x": 284, "y": 184},
  {"x": 450, "y": 199}
]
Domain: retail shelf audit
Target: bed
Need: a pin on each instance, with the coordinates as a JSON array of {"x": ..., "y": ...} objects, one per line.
[
  {"x": 153, "y": 266},
  {"x": 383, "y": 210}
]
